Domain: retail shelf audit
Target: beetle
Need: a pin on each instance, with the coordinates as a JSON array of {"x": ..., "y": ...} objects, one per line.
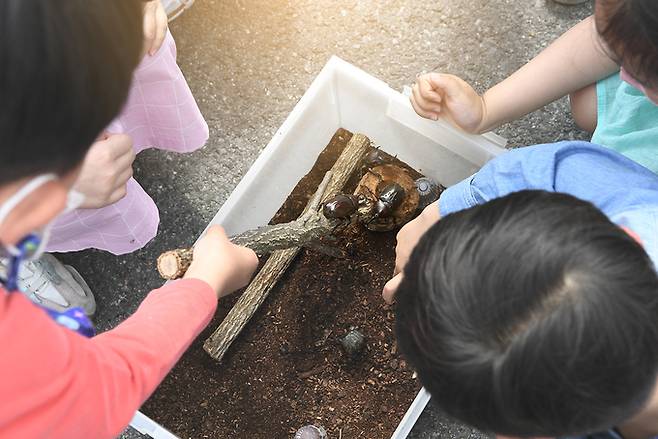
[
  {"x": 354, "y": 342},
  {"x": 341, "y": 206},
  {"x": 390, "y": 198},
  {"x": 376, "y": 157}
]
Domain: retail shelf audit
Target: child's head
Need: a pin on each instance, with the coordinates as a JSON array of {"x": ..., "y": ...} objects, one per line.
[
  {"x": 531, "y": 315},
  {"x": 66, "y": 70},
  {"x": 630, "y": 30}
]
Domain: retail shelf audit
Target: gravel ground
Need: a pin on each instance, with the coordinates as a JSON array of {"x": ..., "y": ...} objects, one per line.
[{"x": 249, "y": 61}]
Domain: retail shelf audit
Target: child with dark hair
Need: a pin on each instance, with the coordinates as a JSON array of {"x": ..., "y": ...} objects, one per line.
[
  {"x": 607, "y": 64},
  {"x": 531, "y": 308},
  {"x": 117, "y": 214},
  {"x": 66, "y": 73}
]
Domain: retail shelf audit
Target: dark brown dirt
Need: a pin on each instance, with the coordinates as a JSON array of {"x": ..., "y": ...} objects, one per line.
[{"x": 287, "y": 368}]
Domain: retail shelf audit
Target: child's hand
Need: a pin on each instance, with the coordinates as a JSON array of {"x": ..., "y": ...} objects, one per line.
[
  {"x": 408, "y": 237},
  {"x": 106, "y": 170},
  {"x": 410, "y": 234},
  {"x": 438, "y": 95},
  {"x": 226, "y": 267},
  {"x": 155, "y": 26}
]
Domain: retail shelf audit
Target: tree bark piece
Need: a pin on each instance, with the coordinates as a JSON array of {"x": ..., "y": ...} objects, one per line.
[
  {"x": 264, "y": 240},
  {"x": 305, "y": 230},
  {"x": 174, "y": 263},
  {"x": 279, "y": 261}
]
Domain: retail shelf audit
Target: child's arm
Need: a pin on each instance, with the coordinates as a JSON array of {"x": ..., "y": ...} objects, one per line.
[
  {"x": 58, "y": 384},
  {"x": 590, "y": 172},
  {"x": 574, "y": 61}
]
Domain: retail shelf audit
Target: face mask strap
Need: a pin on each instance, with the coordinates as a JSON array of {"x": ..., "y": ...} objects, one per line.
[
  {"x": 23, "y": 192},
  {"x": 33, "y": 245},
  {"x": 74, "y": 200}
]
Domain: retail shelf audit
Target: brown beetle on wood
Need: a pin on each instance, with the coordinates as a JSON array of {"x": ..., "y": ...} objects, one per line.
[{"x": 390, "y": 195}]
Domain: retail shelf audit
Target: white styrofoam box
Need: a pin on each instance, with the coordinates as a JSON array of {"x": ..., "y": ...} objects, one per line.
[
  {"x": 147, "y": 426},
  {"x": 342, "y": 96}
]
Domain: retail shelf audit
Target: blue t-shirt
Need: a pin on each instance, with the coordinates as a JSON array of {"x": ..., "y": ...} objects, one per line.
[{"x": 625, "y": 191}]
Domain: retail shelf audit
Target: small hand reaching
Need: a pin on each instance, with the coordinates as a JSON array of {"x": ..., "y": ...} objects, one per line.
[
  {"x": 408, "y": 237},
  {"x": 438, "y": 95},
  {"x": 106, "y": 170},
  {"x": 226, "y": 267}
]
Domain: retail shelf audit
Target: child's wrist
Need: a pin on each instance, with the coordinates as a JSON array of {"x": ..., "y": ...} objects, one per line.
[
  {"x": 210, "y": 276},
  {"x": 483, "y": 127}
]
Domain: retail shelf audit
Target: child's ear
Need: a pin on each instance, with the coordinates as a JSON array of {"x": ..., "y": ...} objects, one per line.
[
  {"x": 35, "y": 211},
  {"x": 632, "y": 234}
]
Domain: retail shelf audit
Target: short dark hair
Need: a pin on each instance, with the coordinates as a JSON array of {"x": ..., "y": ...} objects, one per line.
[
  {"x": 66, "y": 71},
  {"x": 531, "y": 315},
  {"x": 630, "y": 29}
]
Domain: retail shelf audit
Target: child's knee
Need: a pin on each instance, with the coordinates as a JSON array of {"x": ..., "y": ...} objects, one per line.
[
  {"x": 120, "y": 228},
  {"x": 584, "y": 107}
]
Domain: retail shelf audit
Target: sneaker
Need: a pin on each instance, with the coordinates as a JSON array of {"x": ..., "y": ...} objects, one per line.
[{"x": 48, "y": 282}]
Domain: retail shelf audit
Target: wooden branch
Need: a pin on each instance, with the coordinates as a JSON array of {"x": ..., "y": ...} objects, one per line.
[
  {"x": 218, "y": 343},
  {"x": 174, "y": 263},
  {"x": 307, "y": 229}
]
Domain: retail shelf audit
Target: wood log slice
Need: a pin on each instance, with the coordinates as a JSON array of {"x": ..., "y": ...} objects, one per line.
[{"x": 370, "y": 187}]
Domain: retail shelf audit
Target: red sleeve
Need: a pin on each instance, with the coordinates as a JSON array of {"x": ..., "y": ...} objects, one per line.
[{"x": 57, "y": 384}]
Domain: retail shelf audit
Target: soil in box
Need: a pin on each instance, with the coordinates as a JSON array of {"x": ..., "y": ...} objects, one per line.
[{"x": 288, "y": 368}]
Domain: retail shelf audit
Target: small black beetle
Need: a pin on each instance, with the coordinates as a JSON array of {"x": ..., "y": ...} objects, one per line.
[{"x": 390, "y": 198}]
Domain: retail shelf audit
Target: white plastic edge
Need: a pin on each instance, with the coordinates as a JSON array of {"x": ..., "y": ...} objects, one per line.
[
  {"x": 490, "y": 142},
  {"x": 400, "y": 109},
  {"x": 415, "y": 410},
  {"x": 149, "y": 427}
]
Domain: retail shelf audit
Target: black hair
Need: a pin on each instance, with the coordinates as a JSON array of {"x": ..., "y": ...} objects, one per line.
[
  {"x": 531, "y": 315},
  {"x": 65, "y": 72},
  {"x": 630, "y": 30}
]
